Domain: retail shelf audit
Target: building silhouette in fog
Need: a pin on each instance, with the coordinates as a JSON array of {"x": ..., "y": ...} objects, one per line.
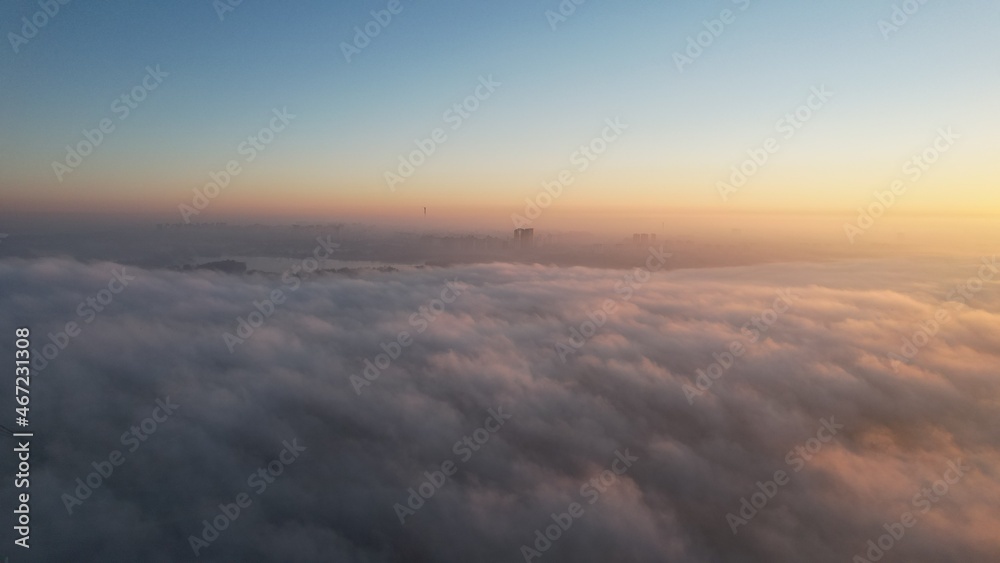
[
  {"x": 524, "y": 238},
  {"x": 642, "y": 239}
]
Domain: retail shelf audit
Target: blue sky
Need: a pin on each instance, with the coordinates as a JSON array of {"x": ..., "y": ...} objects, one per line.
[{"x": 608, "y": 59}]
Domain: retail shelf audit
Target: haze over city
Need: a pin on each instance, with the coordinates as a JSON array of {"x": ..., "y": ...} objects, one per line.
[{"x": 559, "y": 281}]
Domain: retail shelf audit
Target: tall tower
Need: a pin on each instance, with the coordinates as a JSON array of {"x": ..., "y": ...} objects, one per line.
[{"x": 524, "y": 238}]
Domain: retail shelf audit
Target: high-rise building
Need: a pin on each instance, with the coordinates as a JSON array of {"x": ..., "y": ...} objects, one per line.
[
  {"x": 524, "y": 238},
  {"x": 642, "y": 239}
]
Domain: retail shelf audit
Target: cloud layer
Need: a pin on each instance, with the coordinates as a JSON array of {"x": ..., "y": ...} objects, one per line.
[{"x": 496, "y": 346}]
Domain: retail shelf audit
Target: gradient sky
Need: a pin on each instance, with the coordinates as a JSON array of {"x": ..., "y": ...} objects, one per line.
[{"x": 609, "y": 59}]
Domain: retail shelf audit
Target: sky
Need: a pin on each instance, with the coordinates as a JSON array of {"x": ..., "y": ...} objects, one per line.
[{"x": 556, "y": 82}]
